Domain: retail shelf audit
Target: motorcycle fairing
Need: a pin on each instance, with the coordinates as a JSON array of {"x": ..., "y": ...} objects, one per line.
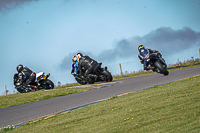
[
  {"x": 96, "y": 67},
  {"x": 39, "y": 74}
]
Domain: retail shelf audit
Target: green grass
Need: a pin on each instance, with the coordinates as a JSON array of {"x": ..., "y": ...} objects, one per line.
[
  {"x": 173, "y": 107},
  {"x": 21, "y": 98}
]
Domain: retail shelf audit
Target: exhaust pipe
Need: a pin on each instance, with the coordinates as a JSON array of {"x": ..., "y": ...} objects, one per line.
[
  {"x": 106, "y": 68},
  {"x": 47, "y": 75}
]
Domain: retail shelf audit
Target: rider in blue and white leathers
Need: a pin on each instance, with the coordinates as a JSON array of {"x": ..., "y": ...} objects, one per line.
[
  {"x": 74, "y": 65},
  {"x": 142, "y": 52}
]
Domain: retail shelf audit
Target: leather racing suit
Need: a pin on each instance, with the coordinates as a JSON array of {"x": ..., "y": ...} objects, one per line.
[
  {"x": 87, "y": 64},
  {"x": 28, "y": 77},
  {"x": 74, "y": 68}
]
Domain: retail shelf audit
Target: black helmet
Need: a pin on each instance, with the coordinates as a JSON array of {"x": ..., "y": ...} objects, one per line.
[
  {"x": 19, "y": 68},
  {"x": 140, "y": 48}
]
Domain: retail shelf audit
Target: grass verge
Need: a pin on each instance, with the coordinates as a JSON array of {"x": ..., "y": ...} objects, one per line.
[
  {"x": 173, "y": 107},
  {"x": 21, "y": 98}
]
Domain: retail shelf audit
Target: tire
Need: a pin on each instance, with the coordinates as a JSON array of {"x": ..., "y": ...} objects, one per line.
[
  {"x": 80, "y": 81},
  {"x": 20, "y": 90},
  {"x": 108, "y": 75},
  {"x": 47, "y": 84},
  {"x": 161, "y": 68}
]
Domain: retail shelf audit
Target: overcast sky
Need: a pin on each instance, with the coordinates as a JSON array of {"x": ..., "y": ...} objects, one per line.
[{"x": 45, "y": 34}]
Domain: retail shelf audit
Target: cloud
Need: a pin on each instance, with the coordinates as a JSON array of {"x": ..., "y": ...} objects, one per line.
[
  {"x": 164, "y": 39},
  {"x": 10, "y": 4},
  {"x": 167, "y": 39}
]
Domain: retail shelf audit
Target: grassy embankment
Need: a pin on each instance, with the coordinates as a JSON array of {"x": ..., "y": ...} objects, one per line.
[{"x": 172, "y": 107}]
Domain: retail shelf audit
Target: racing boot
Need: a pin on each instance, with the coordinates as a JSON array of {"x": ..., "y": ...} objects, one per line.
[
  {"x": 92, "y": 77},
  {"x": 31, "y": 87},
  {"x": 95, "y": 77},
  {"x": 34, "y": 88}
]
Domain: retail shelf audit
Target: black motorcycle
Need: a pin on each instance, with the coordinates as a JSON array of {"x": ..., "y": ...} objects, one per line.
[
  {"x": 102, "y": 73},
  {"x": 156, "y": 62},
  {"x": 41, "y": 82}
]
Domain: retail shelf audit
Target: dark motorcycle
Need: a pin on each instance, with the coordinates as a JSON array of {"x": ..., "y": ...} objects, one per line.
[
  {"x": 102, "y": 73},
  {"x": 41, "y": 82},
  {"x": 156, "y": 62}
]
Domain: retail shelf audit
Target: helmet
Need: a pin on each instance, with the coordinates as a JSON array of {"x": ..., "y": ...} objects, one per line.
[
  {"x": 79, "y": 55},
  {"x": 74, "y": 58},
  {"x": 19, "y": 68},
  {"x": 140, "y": 48}
]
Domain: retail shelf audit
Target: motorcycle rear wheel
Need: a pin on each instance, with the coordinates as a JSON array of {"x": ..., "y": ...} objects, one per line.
[
  {"x": 108, "y": 75},
  {"x": 161, "y": 68},
  {"x": 47, "y": 84}
]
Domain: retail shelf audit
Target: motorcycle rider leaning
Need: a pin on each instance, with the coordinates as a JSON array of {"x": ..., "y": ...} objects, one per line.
[
  {"x": 142, "y": 59},
  {"x": 74, "y": 65},
  {"x": 88, "y": 64},
  {"x": 28, "y": 75}
]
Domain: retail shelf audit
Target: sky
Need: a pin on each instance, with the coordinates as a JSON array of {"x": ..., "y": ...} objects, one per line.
[{"x": 44, "y": 34}]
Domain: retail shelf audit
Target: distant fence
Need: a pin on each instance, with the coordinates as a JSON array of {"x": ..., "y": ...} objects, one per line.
[{"x": 116, "y": 69}]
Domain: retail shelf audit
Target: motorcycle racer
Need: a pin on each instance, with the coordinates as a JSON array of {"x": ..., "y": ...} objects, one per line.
[
  {"x": 142, "y": 50},
  {"x": 88, "y": 64},
  {"x": 26, "y": 76}
]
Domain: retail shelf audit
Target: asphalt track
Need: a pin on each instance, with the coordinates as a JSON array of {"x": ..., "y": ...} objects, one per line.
[{"x": 16, "y": 115}]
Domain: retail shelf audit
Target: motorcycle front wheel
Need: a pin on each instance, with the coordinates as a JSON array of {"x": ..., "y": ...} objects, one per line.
[
  {"x": 80, "y": 80},
  {"x": 20, "y": 90},
  {"x": 163, "y": 70}
]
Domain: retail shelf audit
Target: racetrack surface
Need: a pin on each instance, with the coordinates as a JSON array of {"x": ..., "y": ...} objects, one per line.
[{"x": 22, "y": 113}]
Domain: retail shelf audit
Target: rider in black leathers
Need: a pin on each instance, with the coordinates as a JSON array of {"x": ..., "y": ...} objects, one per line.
[
  {"x": 142, "y": 59},
  {"x": 26, "y": 75},
  {"x": 88, "y": 64}
]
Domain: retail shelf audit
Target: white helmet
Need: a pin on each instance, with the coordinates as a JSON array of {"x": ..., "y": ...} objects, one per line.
[{"x": 74, "y": 58}]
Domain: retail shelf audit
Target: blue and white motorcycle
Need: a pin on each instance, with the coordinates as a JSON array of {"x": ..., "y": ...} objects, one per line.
[{"x": 156, "y": 62}]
